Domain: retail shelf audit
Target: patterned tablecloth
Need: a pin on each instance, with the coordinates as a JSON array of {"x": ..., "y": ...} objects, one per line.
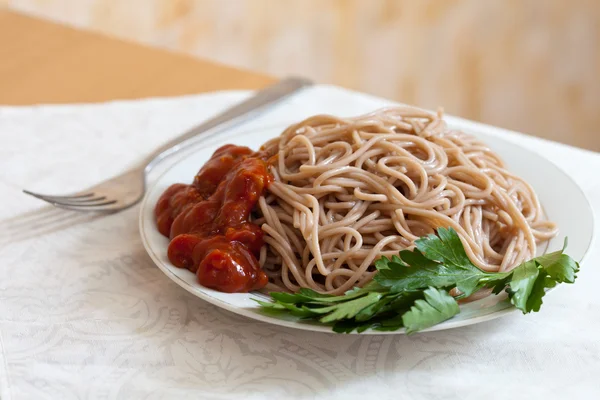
[{"x": 84, "y": 313}]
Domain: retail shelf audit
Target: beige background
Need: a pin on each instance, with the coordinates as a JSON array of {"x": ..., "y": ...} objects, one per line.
[{"x": 527, "y": 65}]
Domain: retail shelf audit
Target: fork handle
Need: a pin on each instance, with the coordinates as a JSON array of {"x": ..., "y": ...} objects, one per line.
[{"x": 232, "y": 116}]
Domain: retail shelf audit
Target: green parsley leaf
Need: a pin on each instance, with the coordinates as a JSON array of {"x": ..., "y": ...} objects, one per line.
[
  {"x": 445, "y": 248},
  {"x": 307, "y": 295},
  {"x": 527, "y": 283},
  {"x": 348, "y": 309},
  {"x": 440, "y": 262},
  {"x": 559, "y": 266},
  {"x": 349, "y": 325},
  {"x": 538, "y": 290},
  {"x": 521, "y": 284},
  {"x": 411, "y": 290},
  {"x": 436, "y": 307}
]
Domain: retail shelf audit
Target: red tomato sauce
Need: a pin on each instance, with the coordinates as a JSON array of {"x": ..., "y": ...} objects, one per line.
[{"x": 208, "y": 221}]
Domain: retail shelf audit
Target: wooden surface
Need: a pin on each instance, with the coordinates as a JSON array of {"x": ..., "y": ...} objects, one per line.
[
  {"x": 529, "y": 66},
  {"x": 41, "y": 62}
]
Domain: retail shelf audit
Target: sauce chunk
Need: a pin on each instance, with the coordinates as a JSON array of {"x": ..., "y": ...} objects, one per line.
[{"x": 208, "y": 221}]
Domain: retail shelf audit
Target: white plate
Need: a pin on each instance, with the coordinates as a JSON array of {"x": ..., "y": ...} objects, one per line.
[{"x": 557, "y": 193}]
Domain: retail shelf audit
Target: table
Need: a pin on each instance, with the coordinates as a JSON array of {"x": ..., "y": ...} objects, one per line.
[{"x": 43, "y": 62}]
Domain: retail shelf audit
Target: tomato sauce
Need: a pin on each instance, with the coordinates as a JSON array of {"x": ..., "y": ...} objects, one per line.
[{"x": 208, "y": 221}]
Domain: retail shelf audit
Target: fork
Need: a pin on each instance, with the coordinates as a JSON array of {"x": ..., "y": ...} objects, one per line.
[{"x": 127, "y": 189}]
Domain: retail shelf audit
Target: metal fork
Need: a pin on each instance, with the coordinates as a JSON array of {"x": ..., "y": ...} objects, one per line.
[{"x": 127, "y": 189}]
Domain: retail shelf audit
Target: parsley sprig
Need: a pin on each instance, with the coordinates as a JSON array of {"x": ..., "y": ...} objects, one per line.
[{"x": 411, "y": 290}]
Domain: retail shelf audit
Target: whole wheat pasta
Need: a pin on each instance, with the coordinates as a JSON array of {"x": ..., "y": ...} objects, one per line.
[{"x": 348, "y": 190}]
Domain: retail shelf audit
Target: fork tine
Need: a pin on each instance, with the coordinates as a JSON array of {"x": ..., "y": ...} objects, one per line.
[
  {"x": 80, "y": 206},
  {"x": 88, "y": 207},
  {"x": 76, "y": 200},
  {"x": 55, "y": 200},
  {"x": 76, "y": 196},
  {"x": 73, "y": 203}
]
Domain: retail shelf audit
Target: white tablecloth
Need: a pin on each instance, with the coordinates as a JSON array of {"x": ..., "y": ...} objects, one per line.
[{"x": 84, "y": 314}]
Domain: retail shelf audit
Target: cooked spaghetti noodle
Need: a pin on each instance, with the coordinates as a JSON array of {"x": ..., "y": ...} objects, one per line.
[{"x": 347, "y": 191}]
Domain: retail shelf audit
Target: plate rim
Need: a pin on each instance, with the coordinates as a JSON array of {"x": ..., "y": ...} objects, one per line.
[{"x": 314, "y": 327}]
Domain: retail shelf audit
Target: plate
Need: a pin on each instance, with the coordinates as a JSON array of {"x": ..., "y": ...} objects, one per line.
[{"x": 546, "y": 178}]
